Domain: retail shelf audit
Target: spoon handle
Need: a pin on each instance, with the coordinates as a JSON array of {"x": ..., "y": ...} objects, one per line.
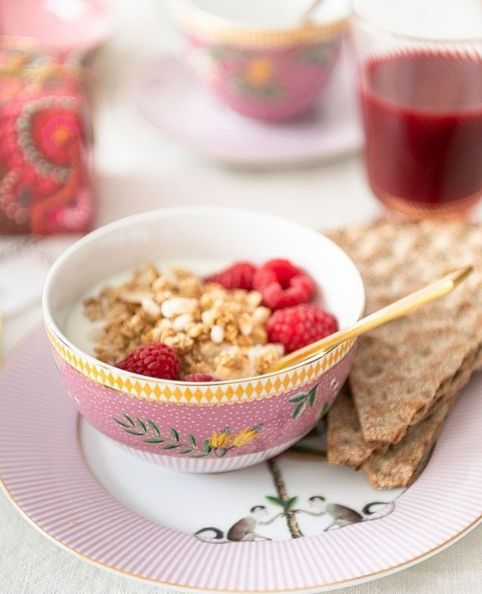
[
  {"x": 387, "y": 314},
  {"x": 308, "y": 12}
]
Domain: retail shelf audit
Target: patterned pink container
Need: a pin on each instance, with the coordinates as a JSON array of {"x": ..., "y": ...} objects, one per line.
[
  {"x": 264, "y": 74},
  {"x": 204, "y": 427},
  {"x": 45, "y": 153},
  {"x": 269, "y": 83},
  {"x": 198, "y": 427}
]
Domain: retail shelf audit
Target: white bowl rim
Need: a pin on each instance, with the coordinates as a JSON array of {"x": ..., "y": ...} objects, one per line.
[
  {"x": 167, "y": 212},
  {"x": 190, "y": 8}
]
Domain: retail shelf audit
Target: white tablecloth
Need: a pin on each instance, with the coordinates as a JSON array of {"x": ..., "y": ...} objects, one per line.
[{"x": 139, "y": 169}]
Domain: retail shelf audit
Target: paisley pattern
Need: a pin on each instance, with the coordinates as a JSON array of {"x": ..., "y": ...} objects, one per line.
[{"x": 44, "y": 178}]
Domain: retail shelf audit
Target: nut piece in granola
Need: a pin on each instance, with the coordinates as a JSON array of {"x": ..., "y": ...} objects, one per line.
[{"x": 213, "y": 330}]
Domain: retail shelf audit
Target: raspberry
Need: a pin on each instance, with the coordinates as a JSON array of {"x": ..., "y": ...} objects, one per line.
[
  {"x": 278, "y": 270},
  {"x": 295, "y": 327},
  {"x": 282, "y": 284},
  {"x": 238, "y": 276},
  {"x": 301, "y": 290},
  {"x": 200, "y": 377},
  {"x": 155, "y": 360}
]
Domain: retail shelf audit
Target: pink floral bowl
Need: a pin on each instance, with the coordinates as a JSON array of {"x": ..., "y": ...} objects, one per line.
[
  {"x": 187, "y": 426},
  {"x": 259, "y": 57}
]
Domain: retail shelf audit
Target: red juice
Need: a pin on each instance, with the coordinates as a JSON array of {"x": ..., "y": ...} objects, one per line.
[{"x": 422, "y": 114}]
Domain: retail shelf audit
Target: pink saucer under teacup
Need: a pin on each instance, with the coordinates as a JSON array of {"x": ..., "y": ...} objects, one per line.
[
  {"x": 55, "y": 24},
  {"x": 265, "y": 60},
  {"x": 172, "y": 98}
]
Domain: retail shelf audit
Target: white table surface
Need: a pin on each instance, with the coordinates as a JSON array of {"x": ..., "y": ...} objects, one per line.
[{"x": 139, "y": 169}]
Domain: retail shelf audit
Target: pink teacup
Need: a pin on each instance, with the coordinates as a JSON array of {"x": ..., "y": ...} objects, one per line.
[
  {"x": 260, "y": 57},
  {"x": 199, "y": 427}
]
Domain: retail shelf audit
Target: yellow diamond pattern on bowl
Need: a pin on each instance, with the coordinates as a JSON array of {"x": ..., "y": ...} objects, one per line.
[{"x": 229, "y": 393}]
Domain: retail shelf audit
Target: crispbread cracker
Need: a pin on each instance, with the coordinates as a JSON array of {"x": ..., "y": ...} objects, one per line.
[
  {"x": 400, "y": 465},
  {"x": 345, "y": 443},
  {"x": 344, "y": 438},
  {"x": 400, "y": 367}
]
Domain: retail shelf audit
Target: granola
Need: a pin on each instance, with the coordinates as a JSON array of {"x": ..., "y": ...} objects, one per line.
[{"x": 214, "y": 330}]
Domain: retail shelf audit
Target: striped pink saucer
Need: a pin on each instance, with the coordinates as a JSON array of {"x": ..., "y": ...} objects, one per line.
[
  {"x": 172, "y": 99},
  {"x": 293, "y": 524}
]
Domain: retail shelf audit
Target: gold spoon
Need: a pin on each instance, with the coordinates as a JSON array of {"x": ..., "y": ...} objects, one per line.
[
  {"x": 391, "y": 312},
  {"x": 310, "y": 9}
]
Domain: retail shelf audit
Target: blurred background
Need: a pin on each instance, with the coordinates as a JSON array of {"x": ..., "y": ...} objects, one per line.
[{"x": 138, "y": 167}]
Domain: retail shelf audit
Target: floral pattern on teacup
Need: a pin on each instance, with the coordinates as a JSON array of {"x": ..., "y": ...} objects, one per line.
[
  {"x": 316, "y": 55},
  {"x": 268, "y": 75},
  {"x": 259, "y": 80}
]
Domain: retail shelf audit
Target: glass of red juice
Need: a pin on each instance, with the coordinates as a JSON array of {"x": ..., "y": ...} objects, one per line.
[{"x": 421, "y": 102}]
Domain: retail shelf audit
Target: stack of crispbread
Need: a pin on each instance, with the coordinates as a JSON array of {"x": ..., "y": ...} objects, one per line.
[{"x": 407, "y": 374}]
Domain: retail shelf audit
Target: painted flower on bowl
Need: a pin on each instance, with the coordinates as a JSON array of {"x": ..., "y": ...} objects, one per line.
[
  {"x": 218, "y": 445},
  {"x": 246, "y": 436},
  {"x": 227, "y": 441},
  {"x": 220, "y": 440}
]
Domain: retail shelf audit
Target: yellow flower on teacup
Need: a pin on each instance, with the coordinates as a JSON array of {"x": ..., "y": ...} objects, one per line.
[
  {"x": 220, "y": 439},
  {"x": 259, "y": 71},
  {"x": 245, "y": 436}
]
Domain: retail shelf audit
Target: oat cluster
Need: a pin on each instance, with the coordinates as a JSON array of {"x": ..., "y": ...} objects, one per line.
[{"x": 214, "y": 330}]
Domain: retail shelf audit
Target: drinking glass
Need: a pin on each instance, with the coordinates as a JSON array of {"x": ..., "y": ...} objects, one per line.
[{"x": 421, "y": 101}]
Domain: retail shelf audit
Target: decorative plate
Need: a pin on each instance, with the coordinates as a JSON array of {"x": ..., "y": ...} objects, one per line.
[
  {"x": 293, "y": 524},
  {"x": 172, "y": 98}
]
